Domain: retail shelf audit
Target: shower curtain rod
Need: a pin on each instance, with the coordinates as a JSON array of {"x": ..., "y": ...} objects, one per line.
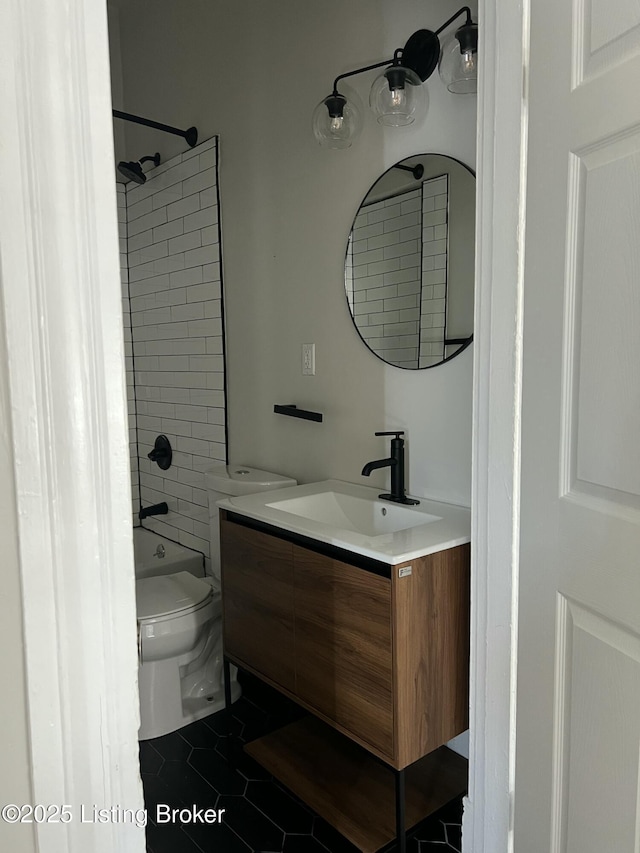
[{"x": 190, "y": 134}]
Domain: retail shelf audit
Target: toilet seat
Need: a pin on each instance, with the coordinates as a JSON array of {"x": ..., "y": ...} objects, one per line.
[{"x": 168, "y": 596}]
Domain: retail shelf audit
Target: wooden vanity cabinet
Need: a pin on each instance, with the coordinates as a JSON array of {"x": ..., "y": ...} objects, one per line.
[{"x": 380, "y": 652}]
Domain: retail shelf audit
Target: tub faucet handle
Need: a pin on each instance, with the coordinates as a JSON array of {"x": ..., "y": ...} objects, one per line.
[{"x": 161, "y": 453}]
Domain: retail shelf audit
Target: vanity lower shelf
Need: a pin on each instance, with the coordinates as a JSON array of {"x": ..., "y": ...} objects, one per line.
[{"x": 349, "y": 788}]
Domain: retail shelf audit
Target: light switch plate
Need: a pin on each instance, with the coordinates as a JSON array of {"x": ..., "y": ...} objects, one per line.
[{"x": 308, "y": 359}]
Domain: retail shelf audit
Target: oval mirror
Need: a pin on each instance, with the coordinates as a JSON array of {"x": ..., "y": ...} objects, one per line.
[{"x": 409, "y": 269}]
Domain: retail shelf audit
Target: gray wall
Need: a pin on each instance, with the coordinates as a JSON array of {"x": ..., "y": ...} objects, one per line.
[{"x": 253, "y": 72}]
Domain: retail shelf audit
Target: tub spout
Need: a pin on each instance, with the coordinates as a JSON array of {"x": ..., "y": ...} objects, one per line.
[{"x": 155, "y": 509}]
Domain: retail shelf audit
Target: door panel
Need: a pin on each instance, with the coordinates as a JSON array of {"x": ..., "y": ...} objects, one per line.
[
  {"x": 599, "y": 680},
  {"x": 577, "y": 730}
]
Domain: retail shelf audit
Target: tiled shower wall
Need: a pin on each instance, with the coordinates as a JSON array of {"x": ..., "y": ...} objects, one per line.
[{"x": 175, "y": 290}]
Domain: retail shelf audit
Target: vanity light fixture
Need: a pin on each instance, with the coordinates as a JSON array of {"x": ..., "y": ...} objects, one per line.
[{"x": 397, "y": 95}]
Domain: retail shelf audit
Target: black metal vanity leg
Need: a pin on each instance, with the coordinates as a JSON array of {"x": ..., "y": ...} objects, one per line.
[
  {"x": 227, "y": 682},
  {"x": 401, "y": 836}
]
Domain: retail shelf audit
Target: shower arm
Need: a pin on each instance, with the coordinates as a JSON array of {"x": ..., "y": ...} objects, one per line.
[{"x": 190, "y": 134}]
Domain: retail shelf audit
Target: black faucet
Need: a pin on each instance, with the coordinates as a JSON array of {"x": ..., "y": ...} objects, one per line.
[
  {"x": 396, "y": 463},
  {"x": 155, "y": 509}
]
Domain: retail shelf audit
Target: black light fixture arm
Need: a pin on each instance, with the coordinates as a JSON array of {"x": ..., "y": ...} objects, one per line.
[
  {"x": 362, "y": 71},
  {"x": 190, "y": 134},
  {"x": 468, "y": 22}
]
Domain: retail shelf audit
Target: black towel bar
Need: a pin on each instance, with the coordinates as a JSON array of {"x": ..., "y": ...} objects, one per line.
[{"x": 294, "y": 412}]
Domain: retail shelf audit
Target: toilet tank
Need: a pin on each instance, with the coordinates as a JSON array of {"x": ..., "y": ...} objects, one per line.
[{"x": 223, "y": 481}]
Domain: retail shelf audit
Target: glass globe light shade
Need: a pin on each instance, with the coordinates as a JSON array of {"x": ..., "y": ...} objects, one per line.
[
  {"x": 336, "y": 122},
  {"x": 458, "y": 64},
  {"x": 397, "y": 96}
]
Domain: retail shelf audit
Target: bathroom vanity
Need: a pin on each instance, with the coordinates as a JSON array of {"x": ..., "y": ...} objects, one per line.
[{"x": 374, "y": 645}]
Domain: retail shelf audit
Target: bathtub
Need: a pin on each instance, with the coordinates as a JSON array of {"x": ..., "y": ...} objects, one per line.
[{"x": 155, "y": 555}]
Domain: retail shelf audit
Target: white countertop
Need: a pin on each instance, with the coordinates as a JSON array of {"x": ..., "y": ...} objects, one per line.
[{"x": 452, "y": 527}]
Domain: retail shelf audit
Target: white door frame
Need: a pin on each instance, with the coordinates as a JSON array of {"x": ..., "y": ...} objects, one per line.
[
  {"x": 60, "y": 292},
  {"x": 501, "y": 165}
]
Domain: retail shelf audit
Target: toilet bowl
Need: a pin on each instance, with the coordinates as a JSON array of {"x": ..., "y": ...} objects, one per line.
[
  {"x": 179, "y": 651},
  {"x": 180, "y": 656}
]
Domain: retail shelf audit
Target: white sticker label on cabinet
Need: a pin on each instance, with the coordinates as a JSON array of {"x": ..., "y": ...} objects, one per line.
[{"x": 404, "y": 572}]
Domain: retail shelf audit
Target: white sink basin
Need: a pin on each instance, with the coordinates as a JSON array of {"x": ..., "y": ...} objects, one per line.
[
  {"x": 348, "y": 512},
  {"x": 353, "y": 517}
]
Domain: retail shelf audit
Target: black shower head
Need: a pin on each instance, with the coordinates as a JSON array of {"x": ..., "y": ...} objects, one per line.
[{"x": 132, "y": 171}]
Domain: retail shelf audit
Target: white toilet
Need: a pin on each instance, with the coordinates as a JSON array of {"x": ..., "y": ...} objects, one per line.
[{"x": 180, "y": 672}]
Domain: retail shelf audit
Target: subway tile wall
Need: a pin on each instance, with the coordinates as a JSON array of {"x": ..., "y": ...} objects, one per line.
[
  {"x": 386, "y": 258},
  {"x": 175, "y": 290}
]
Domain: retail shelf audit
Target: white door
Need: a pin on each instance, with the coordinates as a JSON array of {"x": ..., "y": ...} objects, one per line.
[{"x": 578, "y": 676}]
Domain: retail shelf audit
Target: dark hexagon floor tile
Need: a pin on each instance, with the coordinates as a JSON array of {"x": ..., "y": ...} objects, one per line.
[
  {"x": 434, "y": 847},
  {"x": 189, "y": 787},
  {"x": 302, "y": 844},
  {"x": 282, "y": 809},
  {"x": 169, "y": 838},
  {"x": 215, "y": 838},
  {"x": 331, "y": 838},
  {"x": 224, "y": 723},
  {"x": 452, "y": 812},
  {"x": 248, "y": 822},
  {"x": 453, "y": 835},
  {"x": 156, "y": 791},
  {"x": 267, "y": 698},
  {"x": 231, "y": 751},
  {"x": 199, "y": 735},
  {"x": 255, "y": 721},
  {"x": 412, "y": 845},
  {"x": 217, "y": 772},
  {"x": 431, "y": 829},
  {"x": 172, "y": 747},
  {"x": 150, "y": 759}
]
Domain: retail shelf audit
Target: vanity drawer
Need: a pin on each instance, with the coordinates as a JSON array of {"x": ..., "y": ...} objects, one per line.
[{"x": 343, "y": 646}]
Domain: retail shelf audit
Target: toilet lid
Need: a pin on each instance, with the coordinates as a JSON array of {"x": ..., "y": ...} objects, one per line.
[{"x": 166, "y": 594}]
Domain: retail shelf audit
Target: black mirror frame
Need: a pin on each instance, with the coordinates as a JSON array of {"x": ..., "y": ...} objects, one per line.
[{"x": 468, "y": 341}]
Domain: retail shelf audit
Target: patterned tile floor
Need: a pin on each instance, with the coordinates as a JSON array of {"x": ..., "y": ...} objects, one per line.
[{"x": 202, "y": 766}]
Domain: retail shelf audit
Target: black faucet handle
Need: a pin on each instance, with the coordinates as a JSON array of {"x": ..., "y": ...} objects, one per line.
[
  {"x": 161, "y": 453},
  {"x": 396, "y": 434}
]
